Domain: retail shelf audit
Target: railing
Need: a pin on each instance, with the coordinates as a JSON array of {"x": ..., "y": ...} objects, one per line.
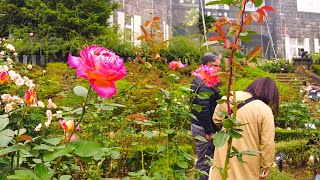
[{"x": 306, "y": 62}]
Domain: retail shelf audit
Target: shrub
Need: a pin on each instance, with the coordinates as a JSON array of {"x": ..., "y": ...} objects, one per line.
[
  {"x": 184, "y": 49},
  {"x": 315, "y": 58},
  {"x": 288, "y": 135},
  {"x": 276, "y": 174},
  {"x": 316, "y": 68},
  {"x": 293, "y": 115},
  {"x": 295, "y": 151},
  {"x": 277, "y": 66}
]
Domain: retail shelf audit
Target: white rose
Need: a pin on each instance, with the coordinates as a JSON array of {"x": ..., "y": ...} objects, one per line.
[
  {"x": 19, "y": 81},
  {"x": 40, "y": 104},
  {"x": 38, "y": 128},
  {"x": 8, "y": 107}
]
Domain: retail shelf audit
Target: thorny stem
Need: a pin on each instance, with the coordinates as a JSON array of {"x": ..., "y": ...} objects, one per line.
[
  {"x": 240, "y": 21},
  {"x": 17, "y": 141},
  {"x": 74, "y": 128},
  {"x": 168, "y": 143},
  {"x": 232, "y": 55}
]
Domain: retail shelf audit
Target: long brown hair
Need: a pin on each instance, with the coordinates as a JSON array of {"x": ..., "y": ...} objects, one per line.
[{"x": 266, "y": 90}]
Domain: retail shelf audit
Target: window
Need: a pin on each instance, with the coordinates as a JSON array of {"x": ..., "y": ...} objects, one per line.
[
  {"x": 216, "y": 6},
  {"x": 294, "y": 46},
  {"x": 308, "y": 6},
  {"x": 128, "y": 33},
  {"x": 316, "y": 45},
  {"x": 251, "y": 7}
]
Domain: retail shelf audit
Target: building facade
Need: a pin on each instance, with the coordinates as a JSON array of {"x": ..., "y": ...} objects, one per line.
[{"x": 293, "y": 26}]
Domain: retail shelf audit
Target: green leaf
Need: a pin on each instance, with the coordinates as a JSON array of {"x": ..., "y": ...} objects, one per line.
[
  {"x": 250, "y": 152},
  {"x": 7, "y": 132},
  {"x": 182, "y": 164},
  {"x": 188, "y": 156},
  {"x": 9, "y": 149},
  {"x": 219, "y": 139},
  {"x": 235, "y": 149},
  {"x": 222, "y": 113},
  {"x": 192, "y": 116},
  {"x": 80, "y": 91},
  {"x": 228, "y": 124},
  {"x": 186, "y": 89},
  {"x": 65, "y": 177},
  {"x": 5, "y": 140},
  {"x": 228, "y": 2},
  {"x": 235, "y": 134},
  {"x": 161, "y": 148},
  {"x": 26, "y": 173},
  {"x": 204, "y": 95},
  {"x": 22, "y": 131},
  {"x": 151, "y": 86},
  {"x": 214, "y": 2},
  {"x": 146, "y": 178},
  {"x": 53, "y": 156},
  {"x": 37, "y": 161},
  {"x": 41, "y": 171},
  {"x": 221, "y": 101},
  {"x": 44, "y": 147},
  {"x": 246, "y": 38},
  {"x": 239, "y": 157},
  {"x": 116, "y": 105},
  {"x": 87, "y": 149},
  {"x": 197, "y": 107},
  {"x": 115, "y": 154},
  {"x": 258, "y": 3},
  {"x": 66, "y": 108},
  {"x": 22, "y": 177},
  {"x": 3, "y": 123},
  {"x": 208, "y": 43},
  {"x": 200, "y": 138},
  {"x": 53, "y": 141},
  {"x": 244, "y": 33},
  {"x": 148, "y": 65},
  {"x": 138, "y": 173},
  {"x": 148, "y": 134},
  {"x": 238, "y": 130}
]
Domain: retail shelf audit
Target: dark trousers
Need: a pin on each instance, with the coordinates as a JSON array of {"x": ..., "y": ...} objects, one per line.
[{"x": 203, "y": 149}]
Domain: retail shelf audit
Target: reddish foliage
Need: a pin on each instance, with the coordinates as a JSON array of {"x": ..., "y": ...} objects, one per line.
[{"x": 137, "y": 117}]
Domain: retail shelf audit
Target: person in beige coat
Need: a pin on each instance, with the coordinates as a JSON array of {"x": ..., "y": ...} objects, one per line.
[{"x": 258, "y": 133}]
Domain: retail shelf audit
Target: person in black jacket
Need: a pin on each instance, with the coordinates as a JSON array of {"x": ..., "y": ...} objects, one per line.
[{"x": 203, "y": 125}]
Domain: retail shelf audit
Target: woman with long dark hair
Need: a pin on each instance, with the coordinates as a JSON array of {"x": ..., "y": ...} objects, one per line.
[{"x": 261, "y": 102}]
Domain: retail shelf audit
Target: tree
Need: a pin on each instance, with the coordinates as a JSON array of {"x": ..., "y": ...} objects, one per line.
[
  {"x": 56, "y": 27},
  {"x": 209, "y": 20}
]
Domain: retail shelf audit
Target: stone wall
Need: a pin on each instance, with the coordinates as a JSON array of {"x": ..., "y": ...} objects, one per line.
[
  {"x": 146, "y": 8},
  {"x": 288, "y": 22}
]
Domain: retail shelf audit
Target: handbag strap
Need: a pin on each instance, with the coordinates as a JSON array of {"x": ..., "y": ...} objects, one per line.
[{"x": 240, "y": 105}]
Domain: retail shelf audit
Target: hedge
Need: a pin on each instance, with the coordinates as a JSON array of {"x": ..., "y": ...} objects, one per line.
[{"x": 287, "y": 135}]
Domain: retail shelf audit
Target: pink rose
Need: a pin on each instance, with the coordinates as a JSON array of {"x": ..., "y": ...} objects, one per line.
[
  {"x": 176, "y": 65},
  {"x": 206, "y": 74},
  {"x": 101, "y": 67}
]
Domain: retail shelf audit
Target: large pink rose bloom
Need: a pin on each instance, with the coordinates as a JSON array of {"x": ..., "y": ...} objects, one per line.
[
  {"x": 206, "y": 74},
  {"x": 101, "y": 67}
]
